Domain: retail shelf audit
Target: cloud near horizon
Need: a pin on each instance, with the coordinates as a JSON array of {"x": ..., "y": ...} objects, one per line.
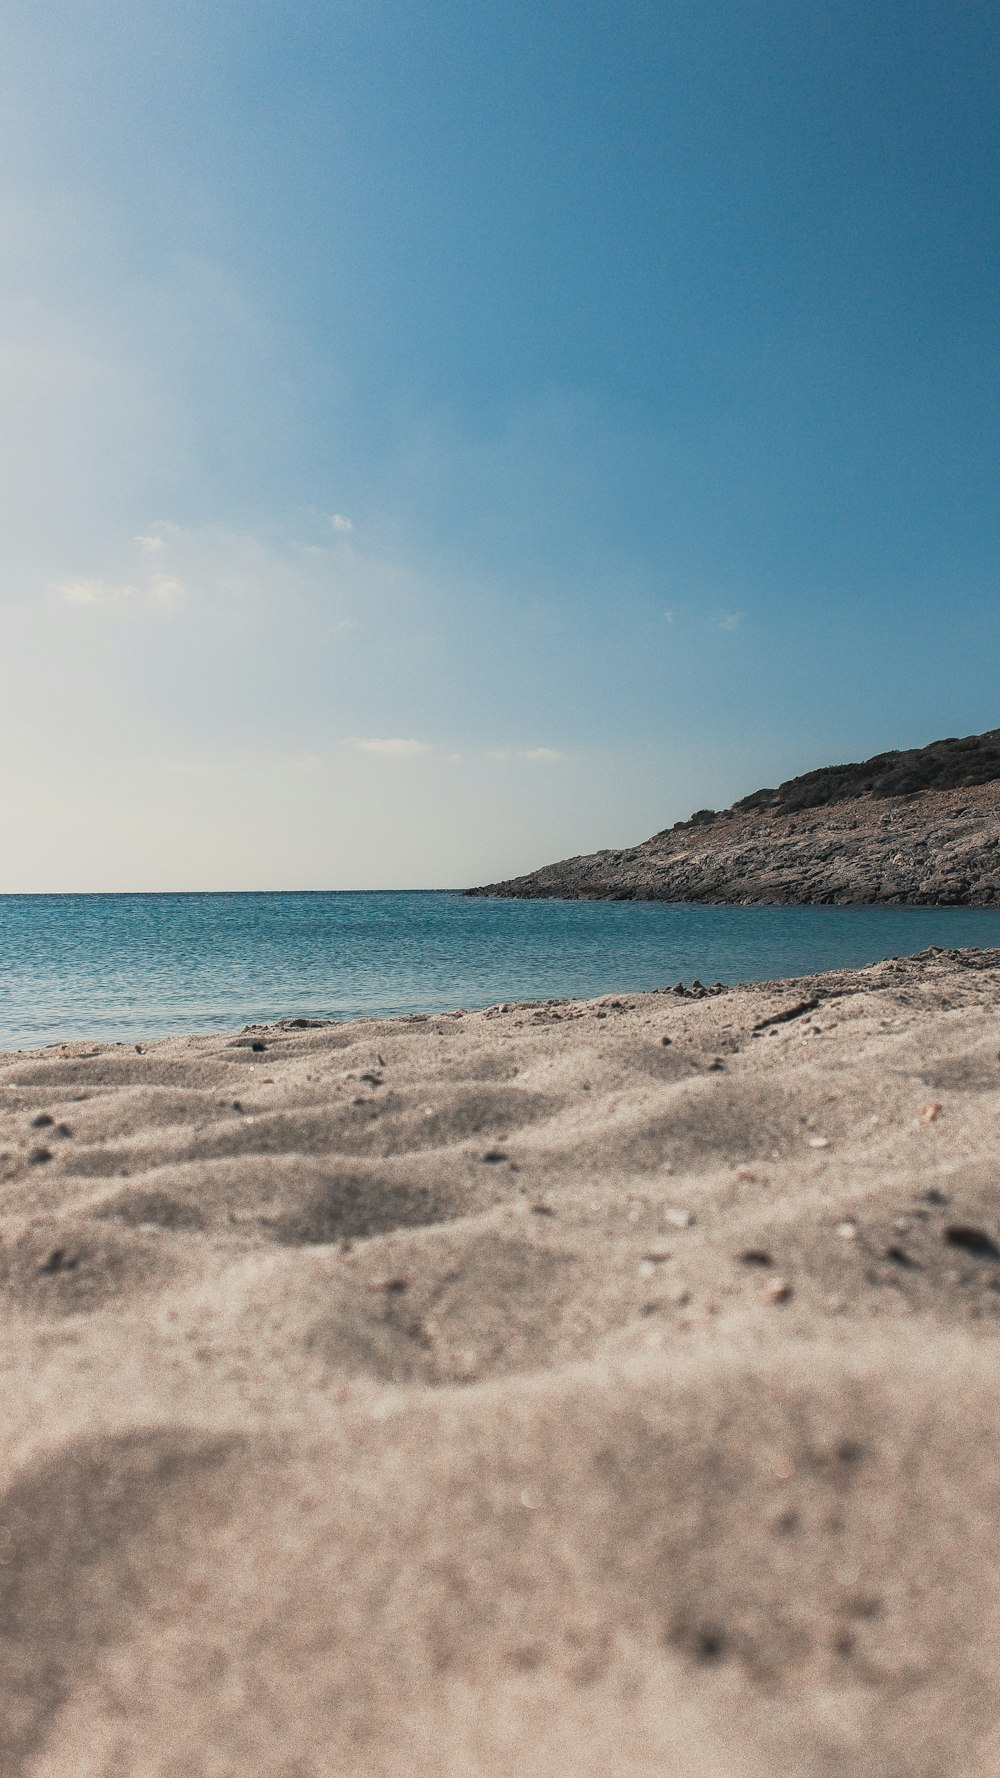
[
  {"x": 536, "y": 755},
  {"x": 163, "y": 590},
  {"x": 392, "y": 748},
  {"x": 400, "y": 748}
]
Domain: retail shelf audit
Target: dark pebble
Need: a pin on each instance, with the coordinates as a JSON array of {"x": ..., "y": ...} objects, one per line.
[
  {"x": 709, "y": 1644},
  {"x": 58, "y": 1261},
  {"x": 849, "y": 1451},
  {"x": 756, "y": 1256},
  {"x": 39, "y": 1156},
  {"x": 43, "y": 1121},
  {"x": 971, "y": 1240}
]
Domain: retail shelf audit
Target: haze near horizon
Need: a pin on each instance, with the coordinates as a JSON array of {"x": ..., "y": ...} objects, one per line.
[{"x": 438, "y": 440}]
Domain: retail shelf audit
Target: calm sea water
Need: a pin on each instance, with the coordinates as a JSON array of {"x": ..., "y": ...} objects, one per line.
[{"x": 140, "y": 966}]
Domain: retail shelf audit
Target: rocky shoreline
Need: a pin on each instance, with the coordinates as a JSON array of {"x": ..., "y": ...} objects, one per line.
[{"x": 925, "y": 848}]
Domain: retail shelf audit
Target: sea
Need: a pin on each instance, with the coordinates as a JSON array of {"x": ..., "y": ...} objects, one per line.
[{"x": 124, "y": 968}]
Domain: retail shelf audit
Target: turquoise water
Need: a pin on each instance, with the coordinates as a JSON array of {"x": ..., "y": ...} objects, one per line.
[{"x": 139, "y": 966}]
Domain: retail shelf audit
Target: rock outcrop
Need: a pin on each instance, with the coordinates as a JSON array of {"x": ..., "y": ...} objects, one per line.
[{"x": 919, "y": 827}]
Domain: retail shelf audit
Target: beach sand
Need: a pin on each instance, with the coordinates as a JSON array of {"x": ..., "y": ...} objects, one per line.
[{"x": 592, "y": 1389}]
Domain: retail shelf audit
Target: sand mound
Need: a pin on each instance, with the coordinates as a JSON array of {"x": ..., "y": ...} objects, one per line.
[
  {"x": 66, "y": 1266},
  {"x": 513, "y": 1392}
]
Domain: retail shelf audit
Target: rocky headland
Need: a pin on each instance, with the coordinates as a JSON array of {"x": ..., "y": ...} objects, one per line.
[{"x": 920, "y": 827}]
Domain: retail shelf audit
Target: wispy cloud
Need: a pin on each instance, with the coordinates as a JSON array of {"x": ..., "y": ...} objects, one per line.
[
  {"x": 729, "y": 620},
  {"x": 340, "y": 523},
  {"x": 150, "y": 545},
  {"x": 390, "y": 748},
  {"x": 536, "y": 755},
  {"x": 92, "y": 591},
  {"x": 158, "y": 591}
]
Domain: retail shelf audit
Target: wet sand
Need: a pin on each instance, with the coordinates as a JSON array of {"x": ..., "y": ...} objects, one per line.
[{"x": 589, "y": 1389}]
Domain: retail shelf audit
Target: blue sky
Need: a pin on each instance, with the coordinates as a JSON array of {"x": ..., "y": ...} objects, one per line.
[{"x": 439, "y": 438}]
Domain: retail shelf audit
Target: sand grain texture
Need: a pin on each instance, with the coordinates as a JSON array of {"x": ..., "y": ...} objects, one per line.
[{"x": 589, "y": 1388}]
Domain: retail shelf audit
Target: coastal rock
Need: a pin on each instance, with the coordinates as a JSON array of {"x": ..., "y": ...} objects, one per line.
[{"x": 904, "y": 829}]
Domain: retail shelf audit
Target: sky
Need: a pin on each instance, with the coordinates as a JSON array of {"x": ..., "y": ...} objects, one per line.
[{"x": 437, "y": 438}]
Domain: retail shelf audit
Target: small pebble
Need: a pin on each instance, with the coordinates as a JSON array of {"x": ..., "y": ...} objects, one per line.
[
  {"x": 58, "y": 1261},
  {"x": 972, "y": 1240},
  {"x": 678, "y": 1219},
  {"x": 930, "y": 1113},
  {"x": 819, "y": 1142},
  {"x": 43, "y": 1121},
  {"x": 847, "y": 1231},
  {"x": 785, "y": 1520},
  {"x": 778, "y": 1291}
]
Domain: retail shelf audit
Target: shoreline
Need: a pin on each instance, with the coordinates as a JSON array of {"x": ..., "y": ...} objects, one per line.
[
  {"x": 573, "y": 1386},
  {"x": 625, "y": 952}
]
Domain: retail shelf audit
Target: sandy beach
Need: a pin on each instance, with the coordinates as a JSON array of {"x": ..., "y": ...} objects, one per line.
[{"x": 586, "y": 1389}]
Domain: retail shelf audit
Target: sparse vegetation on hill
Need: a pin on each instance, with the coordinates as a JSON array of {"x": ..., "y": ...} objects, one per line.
[{"x": 951, "y": 764}]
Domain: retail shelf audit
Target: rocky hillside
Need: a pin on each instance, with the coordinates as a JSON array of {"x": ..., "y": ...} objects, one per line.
[{"x": 919, "y": 827}]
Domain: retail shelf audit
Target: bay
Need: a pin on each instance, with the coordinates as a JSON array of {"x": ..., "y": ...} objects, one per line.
[{"x": 134, "y": 967}]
